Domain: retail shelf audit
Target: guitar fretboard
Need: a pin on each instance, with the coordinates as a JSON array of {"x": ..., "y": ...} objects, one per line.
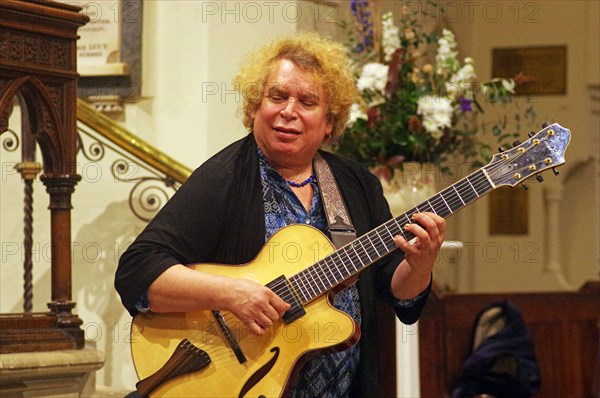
[{"x": 342, "y": 264}]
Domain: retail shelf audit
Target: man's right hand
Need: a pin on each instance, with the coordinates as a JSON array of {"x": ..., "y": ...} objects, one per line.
[{"x": 257, "y": 306}]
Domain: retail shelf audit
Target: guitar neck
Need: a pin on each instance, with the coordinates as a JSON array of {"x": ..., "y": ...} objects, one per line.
[
  {"x": 349, "y": 260},
  {"x": 543, "y": 150}
]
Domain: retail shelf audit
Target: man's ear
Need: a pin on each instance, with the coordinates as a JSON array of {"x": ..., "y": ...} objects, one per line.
[{"x": 329, "y": 126}]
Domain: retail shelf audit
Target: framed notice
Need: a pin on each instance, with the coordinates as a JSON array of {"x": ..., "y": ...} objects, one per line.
[
  {"x": 99, "y": 44},
  {"x": 109, "y": 53},
  {"x": 547, "y": 65}
]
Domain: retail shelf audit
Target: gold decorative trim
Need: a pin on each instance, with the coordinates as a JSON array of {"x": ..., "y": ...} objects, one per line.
[{"x": 123, "y": 138}]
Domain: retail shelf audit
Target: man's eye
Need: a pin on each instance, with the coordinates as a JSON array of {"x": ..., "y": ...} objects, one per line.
[
  {"x": 276, "y": 98},
  {"x": 309, "y": 104}
]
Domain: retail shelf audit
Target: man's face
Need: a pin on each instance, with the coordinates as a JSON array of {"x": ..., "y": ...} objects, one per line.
[{"x": 291, "y": 121}]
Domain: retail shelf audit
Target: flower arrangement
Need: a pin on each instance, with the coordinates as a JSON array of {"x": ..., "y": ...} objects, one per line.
[{"x": 418, "y": 101}]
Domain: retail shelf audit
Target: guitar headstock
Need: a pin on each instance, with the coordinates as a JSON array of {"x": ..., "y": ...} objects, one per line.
[{"x": 544, "y": 150}]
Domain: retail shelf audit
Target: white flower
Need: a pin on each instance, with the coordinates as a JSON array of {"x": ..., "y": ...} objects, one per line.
[
  {"x": 373, "y": 77},
  {"x": 466, "y": 73},
  {"x": 437, "y": 114},
  {"x": 460, "y": 82},
  {"x": 390, "y": 36},
  {"x": 356, "y": 113},
  {"x": 509, "y": 85},
  {"x": 498, "y": 87},
  {"x": 445, "y": 59}
]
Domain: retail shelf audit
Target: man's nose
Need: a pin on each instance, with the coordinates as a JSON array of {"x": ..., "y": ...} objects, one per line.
[{"x": 289, "y": 110}]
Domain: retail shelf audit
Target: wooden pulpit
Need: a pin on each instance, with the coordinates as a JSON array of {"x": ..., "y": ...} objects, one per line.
[{"x": 38, "y": 66}]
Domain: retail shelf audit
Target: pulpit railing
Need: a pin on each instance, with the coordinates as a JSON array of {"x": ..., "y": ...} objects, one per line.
[{"x": 153, "y": 174}]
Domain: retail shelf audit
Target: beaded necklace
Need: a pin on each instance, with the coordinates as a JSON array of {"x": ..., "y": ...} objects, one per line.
[{"x": 303, "y": 183}]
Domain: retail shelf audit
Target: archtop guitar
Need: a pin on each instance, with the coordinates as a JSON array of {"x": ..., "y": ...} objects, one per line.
[{"x": 212, "y": 354}]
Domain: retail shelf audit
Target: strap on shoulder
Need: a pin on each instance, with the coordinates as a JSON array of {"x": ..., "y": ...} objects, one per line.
[{"x": 339, "y": 223}]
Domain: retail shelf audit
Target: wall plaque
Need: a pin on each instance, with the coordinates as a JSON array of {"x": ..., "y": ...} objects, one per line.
[
  {"x": 109, "y": 53},
  {"x": 547, "y": 66},
  {"x": 99, "y": 45}
]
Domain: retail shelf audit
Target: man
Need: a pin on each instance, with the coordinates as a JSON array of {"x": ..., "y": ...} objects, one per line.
[{"x": 297, "y": 95}]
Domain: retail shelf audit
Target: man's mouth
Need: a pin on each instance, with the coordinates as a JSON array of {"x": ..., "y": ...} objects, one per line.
[{"x": 286, "y": 130}]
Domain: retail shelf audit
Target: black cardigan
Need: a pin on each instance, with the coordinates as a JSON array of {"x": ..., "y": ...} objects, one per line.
[{"x": 217, "y": 216}]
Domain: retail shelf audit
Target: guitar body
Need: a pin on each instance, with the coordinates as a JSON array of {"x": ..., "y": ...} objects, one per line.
[{"x": 271, "y": 358}]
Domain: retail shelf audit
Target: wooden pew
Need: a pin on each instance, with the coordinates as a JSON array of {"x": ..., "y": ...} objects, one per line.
[{"x": 564, "y": 326}]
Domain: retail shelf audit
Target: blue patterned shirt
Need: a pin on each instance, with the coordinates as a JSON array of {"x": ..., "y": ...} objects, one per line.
[{"x": 327, "y": 375}]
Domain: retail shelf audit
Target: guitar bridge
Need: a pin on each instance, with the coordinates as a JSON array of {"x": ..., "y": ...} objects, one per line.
[
  {"x": 283, "y": 289},
  {"x": 229, "y": 337}
]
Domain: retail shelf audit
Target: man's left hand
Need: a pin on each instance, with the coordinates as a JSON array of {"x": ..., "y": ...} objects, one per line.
[{"x": 422, "y": 251}]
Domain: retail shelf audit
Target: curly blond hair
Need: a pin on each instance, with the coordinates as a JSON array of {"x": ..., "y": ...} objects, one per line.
[{"x": 325, "y": 60}]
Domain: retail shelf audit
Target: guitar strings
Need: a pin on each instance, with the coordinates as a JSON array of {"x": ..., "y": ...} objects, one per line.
[
  {"x": 452, "y": 198},
  {"x": 351, "y": 251},
  {"x": 353, "y": 257},
  {"x": 313, "y": 275}
]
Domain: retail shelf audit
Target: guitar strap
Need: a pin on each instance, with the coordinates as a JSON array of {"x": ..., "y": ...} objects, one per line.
[{"x": 340, "y": 226}]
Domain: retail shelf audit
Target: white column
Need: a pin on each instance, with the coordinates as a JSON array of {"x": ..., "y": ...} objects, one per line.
[
  {"x": 407, "y": 336},
  {"x": 452, "y": 252},
  {"x": 407, "y": 360},
  {"x": 553, "y": 196}
]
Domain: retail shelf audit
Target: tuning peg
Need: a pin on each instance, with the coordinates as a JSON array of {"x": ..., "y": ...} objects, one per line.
[
  {"x": 539, "y": 178},
  {"x": 545, "y": 124},
  {"x": 516, "y": 143},
  {"x": 525, "y": 187},
  {"x": 500, "y": 149},
  {"x": 555, "y": 171},
  {"x": 531, "y": 134}
]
